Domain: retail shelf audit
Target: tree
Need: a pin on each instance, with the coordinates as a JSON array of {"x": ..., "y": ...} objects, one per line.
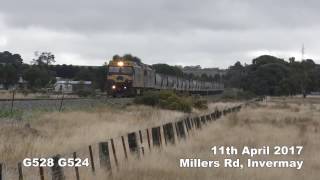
[
  {"x": 116, "y": 57},
  {"x": 84, "y": 75},
  {"x": 168, "y": 70},
  {"x": 45, "y": 58},
  {"x": 269, "y": 75},
  {"x": 38, "y": 77},
  {"x": 8, "y": 58},
  {"x": 129, "y": 57},
  {"x": 292, "y": 59},
  {"x": 100, "y": 77},
  {"x": 235, "y": 75}
]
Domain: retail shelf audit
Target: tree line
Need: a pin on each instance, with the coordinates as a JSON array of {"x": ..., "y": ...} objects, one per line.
[
  {"x": 266, "y": 75},
  {"x": 270, "y": 75},
  {"x": 41, "y": 73}
]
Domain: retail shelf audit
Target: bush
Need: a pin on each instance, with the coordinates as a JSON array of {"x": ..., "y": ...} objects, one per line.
[
  {"x": 15, "y": 114},
  {"x": 200, "y": 104},
  {"x": 165, "y": 100}
]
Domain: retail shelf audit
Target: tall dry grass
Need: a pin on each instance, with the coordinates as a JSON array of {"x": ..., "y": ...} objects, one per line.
[
  {"x": 257, "y": 125},
  {"x": 51, "y": 133},
  {"x": 274, "y": 123}
]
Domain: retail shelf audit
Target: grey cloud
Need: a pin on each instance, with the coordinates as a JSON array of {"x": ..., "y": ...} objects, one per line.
[
  {"x": 206, "y": 32},
  {"x": 166, "y": 15}
]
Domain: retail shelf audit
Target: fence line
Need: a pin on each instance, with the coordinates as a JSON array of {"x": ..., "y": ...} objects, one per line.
[{"x": 173, "y": 132}]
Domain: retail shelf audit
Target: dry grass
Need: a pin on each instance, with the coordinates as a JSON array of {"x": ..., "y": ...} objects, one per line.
[
  {"x": 254, "y": 126},
  {"x": 56, "y": 132},
  {"x": 50, "y": 133},
  {"x": 275, "y": 123}
]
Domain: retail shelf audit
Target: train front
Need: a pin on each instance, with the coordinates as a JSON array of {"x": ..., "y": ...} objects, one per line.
[{"x": 120, "y": 78}]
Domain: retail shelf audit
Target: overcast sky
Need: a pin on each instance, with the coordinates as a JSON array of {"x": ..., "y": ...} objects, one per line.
[{"x": 211, "y": 33}]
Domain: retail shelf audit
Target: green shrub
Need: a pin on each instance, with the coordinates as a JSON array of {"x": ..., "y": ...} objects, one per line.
[
  {"x": 15, "y": 114},
  {"x": 165, "y": 100},
  {"x": 148, "y": 98},
  {"x": 200, "y": 104}
]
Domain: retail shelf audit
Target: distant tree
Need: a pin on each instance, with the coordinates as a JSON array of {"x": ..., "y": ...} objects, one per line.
[
  {"x": 235, "y": 76},
  {"x": 266, "y": 59},
  {"x": 100, "y": 77},
  {"x": 85, "y": 75},
  {"x": 292, "y": 59},
  {"x": 8, "y": 58},
  {"x": 10, "y": 69},
  {"x": 38, "y": 77},
  {"x": 129, "y": 57},
  {"x": 269, "y": 75},
  {"x": 167, "y": 69},
  {"x": 116, "y": 57},
  {"x": 45, "y": 58}
]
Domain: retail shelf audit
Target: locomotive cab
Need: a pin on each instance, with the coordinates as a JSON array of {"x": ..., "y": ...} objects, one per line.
[{"x": 120, "y": 78}]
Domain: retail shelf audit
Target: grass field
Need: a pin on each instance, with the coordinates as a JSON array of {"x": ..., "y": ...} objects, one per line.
[
  {"x": 275, "y": 123},
  {"x": 281, "y": 121},
  {"x": 49, "y": 133}
]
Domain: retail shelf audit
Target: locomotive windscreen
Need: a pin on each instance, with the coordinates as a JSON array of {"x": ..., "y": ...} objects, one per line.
[{"x": 120, "y": 70}]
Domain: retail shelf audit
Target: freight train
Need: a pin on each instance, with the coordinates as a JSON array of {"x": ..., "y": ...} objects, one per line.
[{"x": 129, "y": 78}]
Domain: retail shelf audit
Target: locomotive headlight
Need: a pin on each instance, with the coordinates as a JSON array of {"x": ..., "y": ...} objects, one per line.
[
  {"x": 113, "y": 86},
  {"x": 125, "y": 87},
  {"x": 120, "y": 63}
]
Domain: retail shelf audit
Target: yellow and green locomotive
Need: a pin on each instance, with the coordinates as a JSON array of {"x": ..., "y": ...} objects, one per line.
[{"x": 126, "y": 77}]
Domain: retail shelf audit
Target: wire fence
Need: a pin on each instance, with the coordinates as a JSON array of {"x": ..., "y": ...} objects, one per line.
[
  {"x": 58, "y": 102},
  {"x": 104, "y": 158}
]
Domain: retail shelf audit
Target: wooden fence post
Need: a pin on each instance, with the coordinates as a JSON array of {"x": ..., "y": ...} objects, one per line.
[
  {"x": 104, "y": 155},
  {"x": 168, "y": 133},
  {"x": 156, "y": 136},
  {"x": 20, "y": 171},
  {"x": 148, "y": 138},
  {"x": 213, "y": 118},
  {"x": 56, "y": 170},
  {"x": 41, "y": 173},
  {"x": 193, "y": 123},
  {"x": 114, "y": 154},
  {"x": 141, "y": 142},
  {"x": 76, "y": 169},
  {"x": 187, "y": 124},
  {"x": 180, "y": 130},
  {"x": 208, "y": 118},
  {"x": 1, "y": 171},
  {"x": 197, "y": 122},
  {"x": 91, "y": 159},
  {"x": 124, "y": 147},
  {"x": 203, "y": 120},
  {"x": 133, "y": 143},
  {"x": 219, "y": 114}
]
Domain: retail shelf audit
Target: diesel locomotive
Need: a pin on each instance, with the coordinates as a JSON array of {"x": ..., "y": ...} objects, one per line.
[{"x": 129, "y": 78}]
